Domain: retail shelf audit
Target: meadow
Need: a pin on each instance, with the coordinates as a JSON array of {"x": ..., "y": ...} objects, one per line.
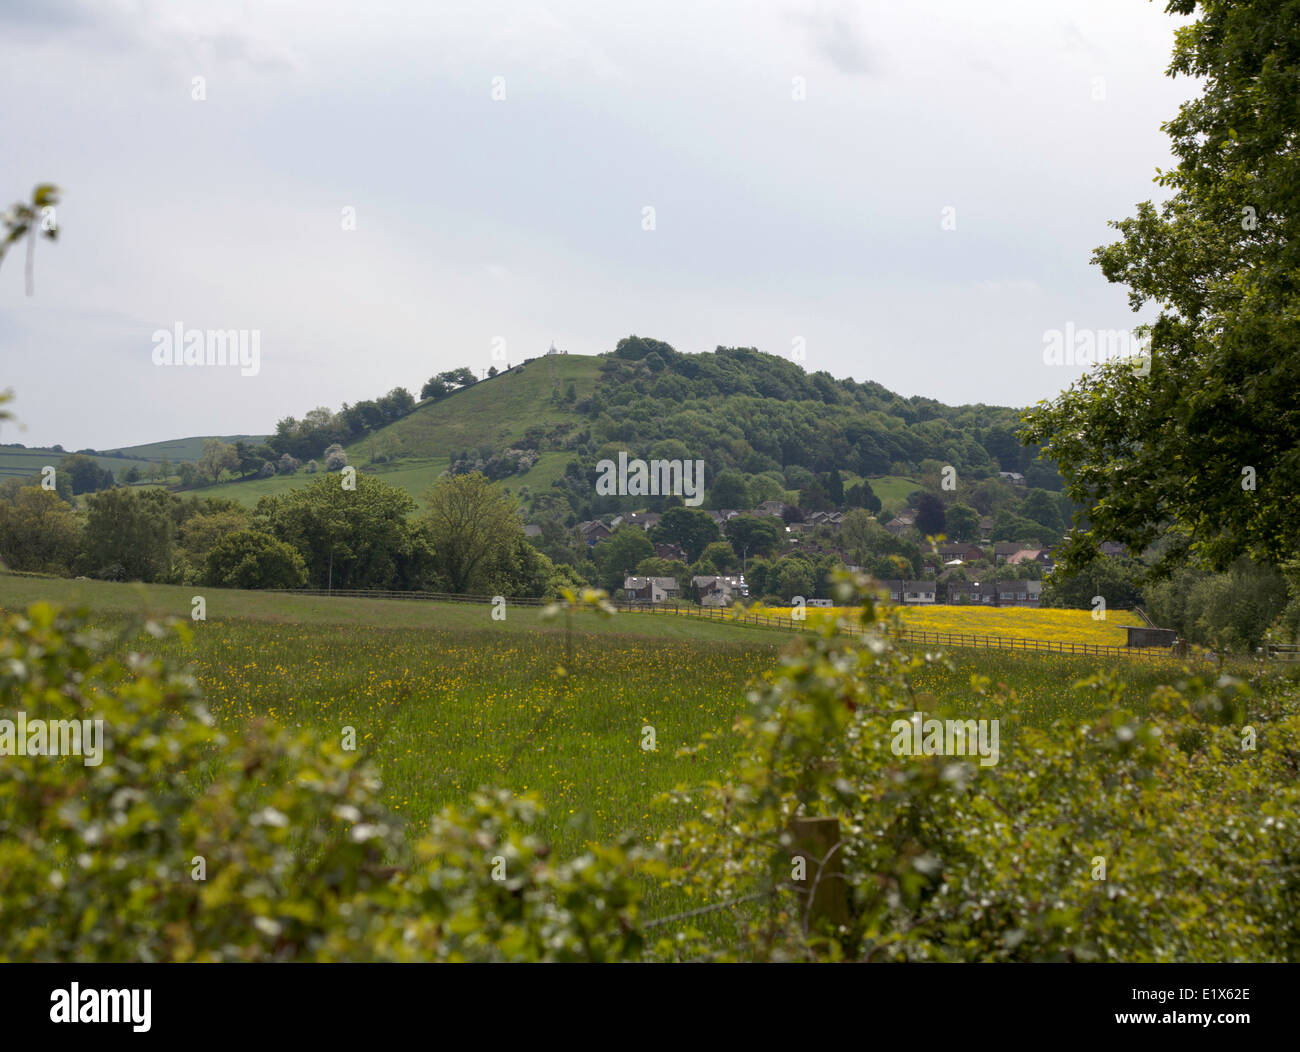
[
  {"x": 1020, "y": 622},
  {"x": 446, "y": 700}
]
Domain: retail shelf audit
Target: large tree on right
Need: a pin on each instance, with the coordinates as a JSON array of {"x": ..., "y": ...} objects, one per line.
[{"x": 1204, "y": 449}]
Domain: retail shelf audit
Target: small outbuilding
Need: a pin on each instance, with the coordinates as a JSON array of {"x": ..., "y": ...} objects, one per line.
[{"x": 1142, "y": 636}]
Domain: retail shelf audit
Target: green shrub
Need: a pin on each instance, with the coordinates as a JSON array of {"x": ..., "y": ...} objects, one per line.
[
  {"x": 184, "y": 844},
  {"x": 948, "y": 860}
]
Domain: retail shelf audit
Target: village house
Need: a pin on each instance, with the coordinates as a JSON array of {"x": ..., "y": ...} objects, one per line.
[
  {"x": 593, "y": 531},
  {"x": 645, "y": 519},
  {"x": 986, "y": 529},
  {"x": 1043, "y": 556},
  {"x": 912, "y": 592},
  {"x": 670, "y": 550},
  {"x": 961, "y": 552},
  {"x": 720, "y": 590},
  {"x": 770, "y": 507},
  {"x": 904, "y": 520},
  {"x": 722, "y": 516},
  {"x": 1003, "y": 550},
  {"x": 1000, "y": 593},
  {"x": 1014, "y": 477},
  {"x": 650, "y": 589}
]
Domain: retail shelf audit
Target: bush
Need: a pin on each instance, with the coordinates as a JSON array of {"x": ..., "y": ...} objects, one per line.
[
  {"x": 251, "y": 559},
  {"x": 185, "y": 844},
  {"x": 335, "y": 458},
  {"x": 947, "y": 860}
]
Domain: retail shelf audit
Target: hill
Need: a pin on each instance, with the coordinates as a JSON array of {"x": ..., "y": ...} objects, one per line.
[
  {"x": 775, "y": 431},
  {"x": 17, "y": 461},
  {"x": 764, "y": 428}
]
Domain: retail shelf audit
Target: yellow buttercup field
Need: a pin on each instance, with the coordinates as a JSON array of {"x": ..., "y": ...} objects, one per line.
[{"x": 1015, "y": 622}]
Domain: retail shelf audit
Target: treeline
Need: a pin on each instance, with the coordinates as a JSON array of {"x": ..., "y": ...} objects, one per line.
[
  {"x": 323, "y": 535},
  {"x": 743, "y": 409},
  {"x": 322, "y": 427}
]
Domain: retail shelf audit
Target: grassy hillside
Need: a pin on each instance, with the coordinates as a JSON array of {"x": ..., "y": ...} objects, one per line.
[
  {"x": 178, "y": 449},
  {"x": 22, "y": 463},
  {"x": 494, "y": 412},
  {"x": 893, "y": 490}
]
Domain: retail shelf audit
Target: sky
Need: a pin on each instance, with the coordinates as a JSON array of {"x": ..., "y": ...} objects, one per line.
[{"x": 907, "y": 193}]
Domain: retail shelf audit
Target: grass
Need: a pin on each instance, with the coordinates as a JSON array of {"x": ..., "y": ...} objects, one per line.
[
  {"x": 494, "y": 412},
  {"x": 178, "y": 449},
  {"x": 1051, "y": 625},
  {"x": 446, "y": 699},
  {"x": 22, "y": 463},
  {"x": 893, "y": 490}
]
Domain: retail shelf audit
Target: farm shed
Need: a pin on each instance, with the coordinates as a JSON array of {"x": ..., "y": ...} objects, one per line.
[{"x": 1141, "y": 636}]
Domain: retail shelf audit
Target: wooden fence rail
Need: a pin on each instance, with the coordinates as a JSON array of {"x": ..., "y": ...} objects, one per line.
[{"x": 964, "y": 640}]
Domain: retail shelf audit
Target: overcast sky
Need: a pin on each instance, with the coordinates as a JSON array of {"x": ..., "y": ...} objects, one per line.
[{"x": 522, "y": 218}]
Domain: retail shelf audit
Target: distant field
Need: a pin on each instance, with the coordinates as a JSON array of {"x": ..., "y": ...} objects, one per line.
[
  {"x": 179, "y": 449},
  {"x": 21, "y": 463},
  {"x": 893, "y": 490},
  {"x": 416, "y": 475},
  {"x": 25, "y": 462},
  {"x": 1059, "y": 626}
]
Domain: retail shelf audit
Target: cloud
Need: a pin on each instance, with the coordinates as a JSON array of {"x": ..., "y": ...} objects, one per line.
[
  {"x": 1019, "y": 286},
  {"x": 1076, "y": 41},
  {"x": 836, "y": 37},
  {"x": 195, "y": 35}
]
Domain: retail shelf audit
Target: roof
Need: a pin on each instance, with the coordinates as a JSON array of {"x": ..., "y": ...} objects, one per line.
[
  {"x": 1025, "y": 555},
  {"x": 667, "y": 584}
]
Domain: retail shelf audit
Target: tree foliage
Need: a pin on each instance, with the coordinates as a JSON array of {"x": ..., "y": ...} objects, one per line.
[
  {"x": 1205, "y": 450},
  {"x": 351, "y": 538},
  {"x": 267, "y": 845},
  {"x": 474, "y": 530},
  {"x": 250, "y": 559}
]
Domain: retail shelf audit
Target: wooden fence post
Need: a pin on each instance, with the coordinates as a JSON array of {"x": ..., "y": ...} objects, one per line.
[{"x": 818, "y": 841}]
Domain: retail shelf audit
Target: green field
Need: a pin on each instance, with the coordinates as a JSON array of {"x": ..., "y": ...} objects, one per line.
[
  {"x": 23, "y": 463},
  {"x": 445, "y": 700},
  {"x": 494, "y": 413},
  {"x": 893, "y": 490},
  {"x": 178, "y": 449},
  {"x": 450, "y": 699}
]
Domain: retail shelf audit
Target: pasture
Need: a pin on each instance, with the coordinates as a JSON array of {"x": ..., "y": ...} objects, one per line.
[{"x": 445, "y": 700}]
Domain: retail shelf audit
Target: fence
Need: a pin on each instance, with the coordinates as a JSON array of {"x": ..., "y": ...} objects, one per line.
[{"x": 963, "y": 640}]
